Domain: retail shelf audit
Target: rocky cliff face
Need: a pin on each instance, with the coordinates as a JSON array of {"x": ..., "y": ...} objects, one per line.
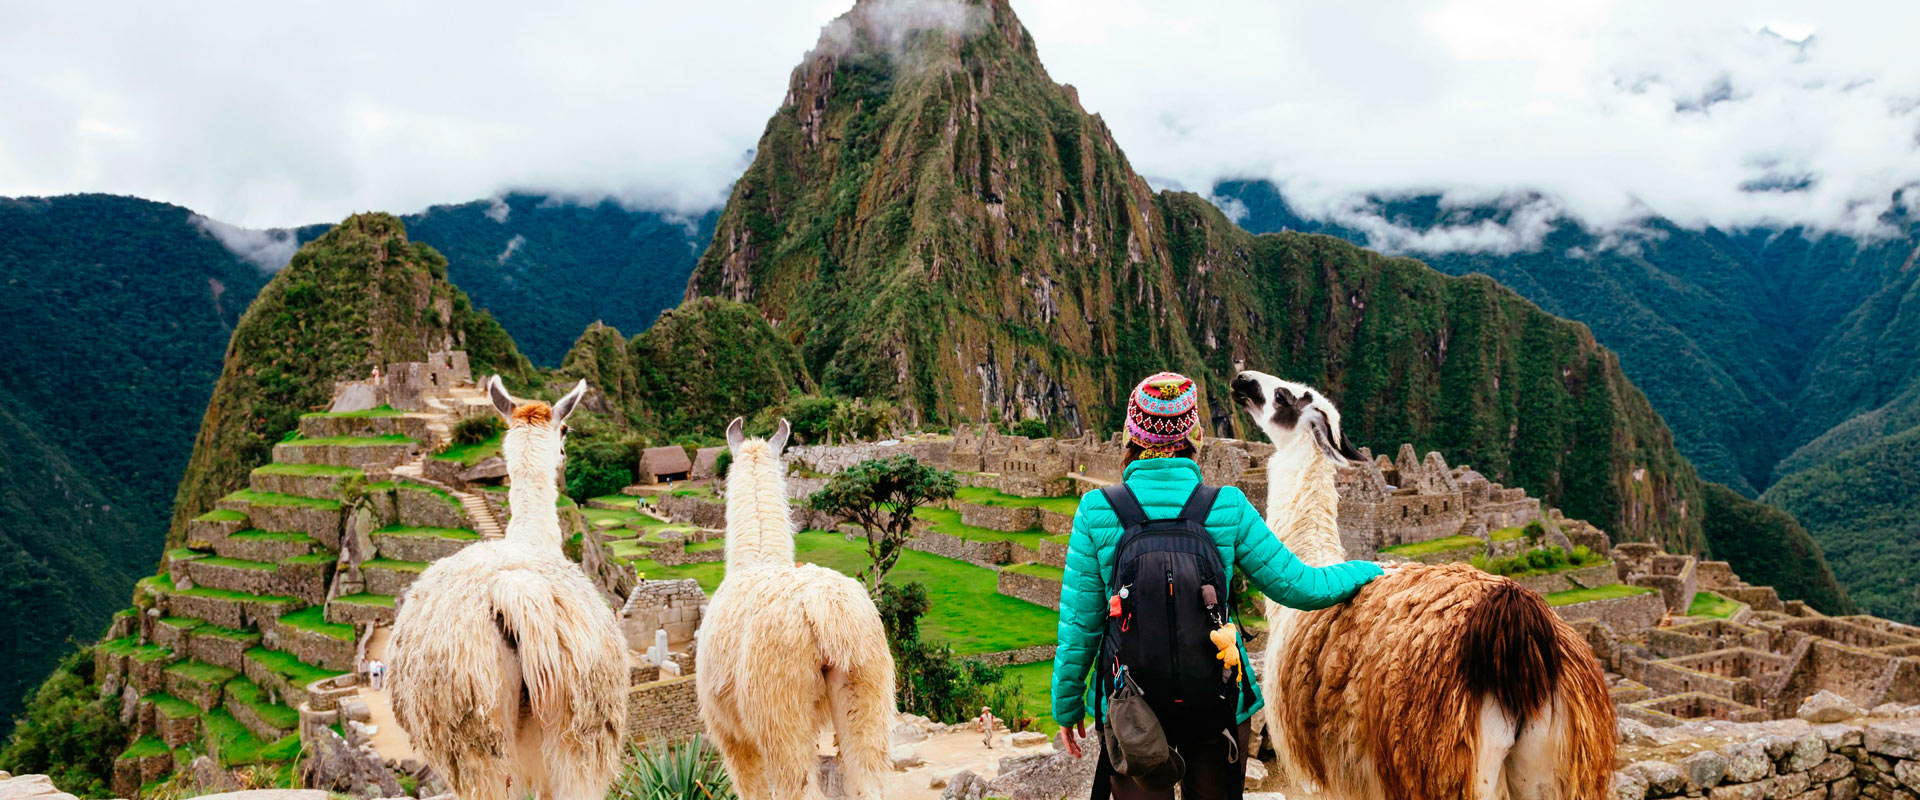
[
  {"x": 306, "y": 330},
  {"x": 930, "y": 218}
]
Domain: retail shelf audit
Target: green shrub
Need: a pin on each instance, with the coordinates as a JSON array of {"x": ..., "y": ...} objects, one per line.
[
  {"x": 930, "y": 680},
  {"x": 1540, "y": 561},
  {"x": 1031, "y": 427},
  {"x": 721, "y": 462},
  {"x": 601, "y": 460},
  {"x": 688, "y": 770},
  {"x": 474, "y": 430},
  {"x": 68, "y": 732}
]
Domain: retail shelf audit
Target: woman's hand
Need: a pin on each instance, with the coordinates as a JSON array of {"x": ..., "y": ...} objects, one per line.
[
  {"x": 1073, "y": 735},
  {"x": 1390, "y": 570}
]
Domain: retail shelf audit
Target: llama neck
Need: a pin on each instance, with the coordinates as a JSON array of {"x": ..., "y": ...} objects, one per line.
[
  {"x": 759, "y": 518},
  {"x": 532, "y": 498},
  {"x": 1303, "y": 504}
]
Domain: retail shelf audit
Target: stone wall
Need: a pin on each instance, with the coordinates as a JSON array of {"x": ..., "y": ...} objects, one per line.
[
  {"x": 1023, "y": 655},
  {"x": 1864, "y": 758},
  {"x": 664, "y": 710},
  {"x": 676, "y": 606},
  {"x": 1031, "y": 588},
  {"x": 1672, "y": 575},
  {"x": 983, "y": 554},
  {"x": 322, "y": 427},
  {"x": 1582, "y": 578},
  {"x": 696, "y": 510},
  {"x": 1053, "y": 554},
  {"x": 1631, "y": 613},
  {"x": 999, "y": 518}
]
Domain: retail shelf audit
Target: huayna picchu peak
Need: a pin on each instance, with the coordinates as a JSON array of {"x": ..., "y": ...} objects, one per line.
[
  {"x": 930, "y": 217},
  {"x": 359, "y": 296}
]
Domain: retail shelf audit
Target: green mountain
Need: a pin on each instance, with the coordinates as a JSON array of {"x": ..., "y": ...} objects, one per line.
[
  {"x": 944, "y": 225},
  {"x": 116, "y": 312},
  {"x": 547, "y": 268},
  {"x": 1771, "y": 352},
  {"x": 303, "y": 333}
]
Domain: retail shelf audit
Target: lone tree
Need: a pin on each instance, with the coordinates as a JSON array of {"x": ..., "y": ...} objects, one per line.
[{"x": 879, "y": 496}]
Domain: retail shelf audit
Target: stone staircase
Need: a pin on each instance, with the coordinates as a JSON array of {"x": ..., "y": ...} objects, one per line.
[{"x": 481, "y": 512}]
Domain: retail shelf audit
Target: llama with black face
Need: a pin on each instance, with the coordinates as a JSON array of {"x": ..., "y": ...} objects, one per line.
[{"x": 1434, "y": 682}]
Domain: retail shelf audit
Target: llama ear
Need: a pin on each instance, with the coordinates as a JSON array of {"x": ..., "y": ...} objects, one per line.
[
  {"x": 568, "y": 403},
  {"x": 1347, "y": 449},
  {"x": 779, "y": 440},
  {"x": 502, "y": 402},
  {"x": 736, "y": 433},
  {"x": 1322, "y": 433}
]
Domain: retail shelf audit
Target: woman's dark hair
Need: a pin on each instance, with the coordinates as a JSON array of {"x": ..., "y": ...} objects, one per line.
[{"x": 1187, "y": 450}]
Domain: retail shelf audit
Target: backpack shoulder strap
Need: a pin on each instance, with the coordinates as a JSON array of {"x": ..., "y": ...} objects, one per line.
[
  {"x": 1125, "y": 505},
  {"x": 1199, "y": 504}
]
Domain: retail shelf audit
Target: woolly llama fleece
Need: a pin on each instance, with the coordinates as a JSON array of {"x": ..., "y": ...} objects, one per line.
[
  {"x": 1437, "y": 682},
  {"x": 786, "y": 650},
  {"x": 509, "y": 672}
]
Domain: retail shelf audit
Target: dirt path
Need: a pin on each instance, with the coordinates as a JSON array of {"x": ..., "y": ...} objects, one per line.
[{"x": 389, "y": 740}]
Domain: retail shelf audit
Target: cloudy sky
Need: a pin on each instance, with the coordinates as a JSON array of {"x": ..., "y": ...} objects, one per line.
[{"x": 282, "y": 114}]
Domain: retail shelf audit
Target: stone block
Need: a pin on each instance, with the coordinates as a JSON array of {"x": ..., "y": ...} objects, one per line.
[
  {"x": 1825, "y": 706},
  {"x": 1895, "y": 738},
  {"x": 1704, "y": 770}
]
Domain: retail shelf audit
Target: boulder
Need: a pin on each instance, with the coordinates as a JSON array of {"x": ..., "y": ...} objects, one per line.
[
  {"x": 1256, "y": 773},
  {"x": 30, "y": 787},
  {"x": 908, "y": 733},
  {"x": 1633, "y": 731},
  {"x": 493, "y": 467},
  {"x": 209, "y": 777},
  {"x": 1826, "y": 706},
  {"x": 355, "y": 397},
  {"x": 1704, "y": 770},
  {"x": 964, "y": 785},
  {"x": 905, "y": 757},
  {"x": 1030, "y": 739},
  {"x": 1051, "y": 776}
]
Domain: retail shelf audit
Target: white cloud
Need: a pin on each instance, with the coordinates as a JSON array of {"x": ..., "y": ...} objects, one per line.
[
  {"x": 889, "y": 23},
  {"x": 270, "y": 115},
  {"x": 513, "y": 246},
  {"x": 498, "y": 210},
  {"x": 268, "y": 249}
]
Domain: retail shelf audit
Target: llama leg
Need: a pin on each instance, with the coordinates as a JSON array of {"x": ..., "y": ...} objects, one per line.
[
  {"x": 861, "y": 713},
  {"x": 793, "y": 761},
  {"x": 1531, "y": 766},
  {"x": 746, "y": 767},
  {"x": 1494, "y": 741}
]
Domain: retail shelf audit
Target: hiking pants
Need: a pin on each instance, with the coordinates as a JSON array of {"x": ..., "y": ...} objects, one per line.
[{"x": 1209, "y": 775}]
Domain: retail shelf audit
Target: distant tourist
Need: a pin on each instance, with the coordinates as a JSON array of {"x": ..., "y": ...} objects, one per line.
[
  {"x": 985, "y": 721},
  {"x": 376, "y": 373},
  {"x": 1151, "y": 635},
  {"x": 377, "y": 673}
]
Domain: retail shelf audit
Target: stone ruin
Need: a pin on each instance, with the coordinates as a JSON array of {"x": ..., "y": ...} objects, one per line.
[{"x": 405, "y": 385}]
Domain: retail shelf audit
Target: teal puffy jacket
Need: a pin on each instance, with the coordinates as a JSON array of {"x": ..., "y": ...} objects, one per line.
[{"x": 1162, "y": 486}]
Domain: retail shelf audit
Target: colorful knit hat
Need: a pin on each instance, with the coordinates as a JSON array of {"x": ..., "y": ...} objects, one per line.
[{"x": 1163, "y": 414}]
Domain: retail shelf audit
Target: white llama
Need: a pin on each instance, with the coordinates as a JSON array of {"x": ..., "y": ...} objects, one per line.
[
  {"x": 509, "y": 672},
  {"x": 1437, "y": 682},
  {"x": 786, "y": 650}
]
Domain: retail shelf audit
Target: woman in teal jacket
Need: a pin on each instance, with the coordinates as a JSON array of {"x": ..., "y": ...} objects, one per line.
[{"x": 1163, "y": 435}]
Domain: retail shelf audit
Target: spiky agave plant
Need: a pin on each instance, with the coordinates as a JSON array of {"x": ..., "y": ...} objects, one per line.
[{"x": 688, "y": 770}]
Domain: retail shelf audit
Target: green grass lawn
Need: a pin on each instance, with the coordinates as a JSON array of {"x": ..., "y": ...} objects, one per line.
[
  {"x": 1711, "y": 604},
  {"x": 222, "y": 515},
  {"x": 1506, "y": 534},
  {"x": 238, "y": 746},
  {"x": 146, "y": 747},
  {"x": 1607, "y": 592},
  {"x": 394, "y": 564},
  {"x": 285, "y": 665},
  {"x": 250, "y": 694},
  {"x": 236, "y": 634},
  {"x": 202, "y": 671},
  {"x": 172, "y": 707},
  {"x": 254, "y": 535},
  {"x": 353, "y": 441},
  {"x": 165, "y": 583},
  {"x": 313, "y": 619},
  {"x": 184, "y": 553},
  {"x": 439, "y": 533},
  {"x": 432, "y": 490},
  {"x": 376, "y": 412},
  {"x": 981, "y": 495},
  {"x": 366, "y": 599},
  {"x": 275, "y": 499},
  {"x": 967, "y": 611},
  {"x": 310, "y": 558},
  {"x": 184, "y": 623},
  {"x": 1415, "y": 549},
  {"x": 471, "y": 454},
  {"x": 948, "y": 522},
  {"x": 305, "y": 470},
  {"x": 626, "y": 501},
  {"x": 708, "y": 573},
  {"x": 131, "y": 646},
  {"x": 1037, "y": 570},
  {"x": 237, "y": 563}
]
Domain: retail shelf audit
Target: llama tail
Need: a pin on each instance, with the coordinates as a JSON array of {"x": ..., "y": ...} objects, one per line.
[
  {"x": 565, "y": 658},
  {"x": 1509, "y": 651},
  {"x": 1588, "y": 733},
  {"x": 852, "y": 646}
]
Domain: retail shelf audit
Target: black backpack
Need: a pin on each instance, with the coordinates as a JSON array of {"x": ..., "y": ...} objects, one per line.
[{"x": 1170, "y": 593}]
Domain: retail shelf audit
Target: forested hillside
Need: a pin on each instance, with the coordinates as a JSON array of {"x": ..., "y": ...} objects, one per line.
[{"x": 1770, "y": 351}]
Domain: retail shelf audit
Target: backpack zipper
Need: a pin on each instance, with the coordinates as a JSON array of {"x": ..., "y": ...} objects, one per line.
[{"x": 1171, "y": 618}]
